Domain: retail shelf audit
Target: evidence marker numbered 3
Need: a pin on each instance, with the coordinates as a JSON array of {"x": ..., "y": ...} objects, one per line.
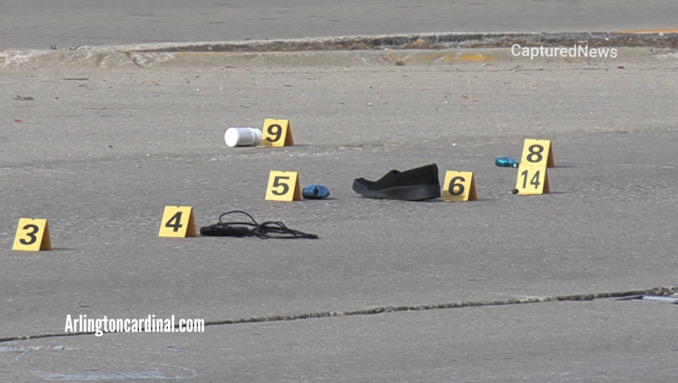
[{"x": 32, "y": 235}]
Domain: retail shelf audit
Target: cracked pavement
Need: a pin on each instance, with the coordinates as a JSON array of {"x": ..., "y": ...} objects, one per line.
[
  {"x": 100, "y": 151},
  {"x": 99, "y": 139}
]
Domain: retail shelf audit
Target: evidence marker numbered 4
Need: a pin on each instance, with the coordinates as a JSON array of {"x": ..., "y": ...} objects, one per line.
[{"x": 177, "y": 222}]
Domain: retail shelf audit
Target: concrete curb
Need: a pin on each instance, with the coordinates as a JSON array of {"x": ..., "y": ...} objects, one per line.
[{"x": 422, "y": 49}]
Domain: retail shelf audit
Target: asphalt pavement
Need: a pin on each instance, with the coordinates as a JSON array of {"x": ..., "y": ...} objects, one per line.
[
  {"x": 506, "y": 288},
  {"x": 392, "y": 290},
  {"x": 63, "y": 24}
]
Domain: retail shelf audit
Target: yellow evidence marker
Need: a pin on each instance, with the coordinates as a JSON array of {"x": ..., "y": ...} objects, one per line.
[
  {"x": 537, "y": 151},
  {"x": 532, "y": 179},
  {"x": 32, "y": 235},
  {"x": 283, "y": 186},
  {"x": 276, "y": 133},
  {"x": 177, "y": 222},
  {"x": 459, "y": 187}
]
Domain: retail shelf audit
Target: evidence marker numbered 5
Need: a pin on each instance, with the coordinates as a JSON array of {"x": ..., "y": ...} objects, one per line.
[
  {"x": 177, "y": 222},
  {"x": 283, "y": 186}
]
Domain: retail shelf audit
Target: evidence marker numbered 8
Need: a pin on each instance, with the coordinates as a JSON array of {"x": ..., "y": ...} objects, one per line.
[
  {"x": 537, "y": 151},
  {"x": 533, "y": 176}
]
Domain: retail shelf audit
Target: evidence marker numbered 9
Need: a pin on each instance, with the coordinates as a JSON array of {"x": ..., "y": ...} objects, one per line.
[{"x": 276, "y": 133}]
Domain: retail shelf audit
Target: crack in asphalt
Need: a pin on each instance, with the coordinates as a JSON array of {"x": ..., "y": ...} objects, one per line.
[{"x": 657, "y": 291}]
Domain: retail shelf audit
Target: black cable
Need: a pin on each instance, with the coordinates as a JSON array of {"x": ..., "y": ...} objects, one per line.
[{"x": 265, "y": 230}]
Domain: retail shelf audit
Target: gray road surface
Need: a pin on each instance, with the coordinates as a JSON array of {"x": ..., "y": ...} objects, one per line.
[
  {"x": 101, "y": 151},
  {"x": 504, "y": 289},
  {"x": 67, "y": 23}
]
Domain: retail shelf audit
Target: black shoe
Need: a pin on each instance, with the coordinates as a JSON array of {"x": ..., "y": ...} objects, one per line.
[{"x": 411, "y": 185}]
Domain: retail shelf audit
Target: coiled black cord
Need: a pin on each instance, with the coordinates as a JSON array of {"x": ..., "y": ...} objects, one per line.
[{"x": 265, "y": 230}]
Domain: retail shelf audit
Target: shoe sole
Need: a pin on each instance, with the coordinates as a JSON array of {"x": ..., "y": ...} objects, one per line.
[{"x": 406, "y": 193}]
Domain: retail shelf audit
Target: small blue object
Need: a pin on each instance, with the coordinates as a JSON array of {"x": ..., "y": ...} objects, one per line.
[
  {"x": 506, "y": 162},
  {"x": 315, "y": 191}
]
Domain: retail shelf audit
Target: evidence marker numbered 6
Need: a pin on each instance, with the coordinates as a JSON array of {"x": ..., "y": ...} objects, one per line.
[
  {"x": 276, "y": 133},
  {"x": 32, "y": 235},
  {"x": 459, "y": 187},
  {"x": 283, "y": 186},
  {"x": 177, "y": 222}
]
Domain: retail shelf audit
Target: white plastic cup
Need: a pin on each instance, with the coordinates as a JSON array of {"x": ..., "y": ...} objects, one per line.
[{"x": 242, "y": 137}]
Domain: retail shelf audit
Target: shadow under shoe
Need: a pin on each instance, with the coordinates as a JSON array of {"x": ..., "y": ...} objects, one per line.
[{"x": 411, "y": 185}]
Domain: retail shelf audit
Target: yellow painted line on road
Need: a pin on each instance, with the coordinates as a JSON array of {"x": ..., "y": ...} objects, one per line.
[
  {"x": 474, "y": 57},
  {"x": 392, "y": 57},
  {"x": 427, "y": 57},
  {"x": 447, "y": 58},
  {"x": 647, "y": 31}
]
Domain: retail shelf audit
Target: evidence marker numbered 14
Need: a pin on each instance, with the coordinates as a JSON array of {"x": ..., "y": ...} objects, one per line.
[
  {"x": 532, "y": 179},
  {"x": 177, "y": 222},
  {"x": 537, "y": 157},
  {"x": 283, "y": 186},
  {"x": 276, "y": 133},
  {"x": 32, "y": 235},
  {"x": 459, "y": 187}
]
